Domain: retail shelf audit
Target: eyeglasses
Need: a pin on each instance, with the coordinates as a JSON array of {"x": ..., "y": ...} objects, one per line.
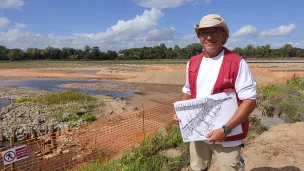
[{"x": 206, "y": 33}]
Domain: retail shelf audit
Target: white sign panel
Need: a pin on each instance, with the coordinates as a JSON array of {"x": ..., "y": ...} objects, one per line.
[
  {"x": 14, "y": 154},
  {"x": 202, "y": 115}
]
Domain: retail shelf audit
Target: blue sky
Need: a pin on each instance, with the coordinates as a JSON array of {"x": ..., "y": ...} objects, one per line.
[{"x": 119, "y": 24}]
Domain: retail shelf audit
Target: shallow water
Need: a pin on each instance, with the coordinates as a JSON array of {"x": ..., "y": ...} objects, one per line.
[
  {"x": 4, "y": 102},
  {"x": 53, "y": 85}
]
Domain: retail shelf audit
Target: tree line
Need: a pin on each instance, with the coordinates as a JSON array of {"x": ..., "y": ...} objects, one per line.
[{"x": 156, "y": 52}]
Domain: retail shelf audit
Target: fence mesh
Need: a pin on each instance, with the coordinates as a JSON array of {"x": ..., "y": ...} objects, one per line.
[
  {"x": 110, "y": 137},
  {"x": 102, "y": 139}
]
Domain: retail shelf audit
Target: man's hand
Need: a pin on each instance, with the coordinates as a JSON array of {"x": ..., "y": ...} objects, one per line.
[
  {"x": 184, "y": 96},
  {"x": 217, "y": 135},
  {"x": 175, "y": 118}
]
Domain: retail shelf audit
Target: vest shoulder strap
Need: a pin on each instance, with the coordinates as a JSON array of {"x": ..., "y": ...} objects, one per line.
[
  {"x": 230, "y": 56},
  {"x": 195, "y": 60}
]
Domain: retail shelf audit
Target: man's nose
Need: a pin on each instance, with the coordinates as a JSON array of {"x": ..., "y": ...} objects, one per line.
[{"x": 209, "y": 36}]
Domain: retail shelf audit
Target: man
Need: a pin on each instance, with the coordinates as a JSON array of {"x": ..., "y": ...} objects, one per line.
[{"x": 214, "y": 71}]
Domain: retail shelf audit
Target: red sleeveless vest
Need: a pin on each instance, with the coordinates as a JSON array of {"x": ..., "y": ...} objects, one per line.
[{"x": 225, "y": 81}]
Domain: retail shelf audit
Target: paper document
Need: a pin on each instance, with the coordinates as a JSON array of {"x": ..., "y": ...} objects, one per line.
[{"x": 202, "y": 115}]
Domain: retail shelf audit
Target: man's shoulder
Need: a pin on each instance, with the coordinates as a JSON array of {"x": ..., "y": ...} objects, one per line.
[
  {"x": 196, "y": 57},
  {"x": 231, "y": 56}
]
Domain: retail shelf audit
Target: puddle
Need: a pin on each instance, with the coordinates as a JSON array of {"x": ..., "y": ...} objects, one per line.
[
  {"x": 4, "y": 102},
  {"x": 53, "y": 85}
]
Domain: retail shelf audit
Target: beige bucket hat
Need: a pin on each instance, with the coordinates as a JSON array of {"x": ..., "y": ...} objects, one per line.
[{"x": 212, "y": 20}]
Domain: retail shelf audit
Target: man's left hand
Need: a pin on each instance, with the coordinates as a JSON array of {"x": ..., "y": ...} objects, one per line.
[{"x": 217, "y": 135}]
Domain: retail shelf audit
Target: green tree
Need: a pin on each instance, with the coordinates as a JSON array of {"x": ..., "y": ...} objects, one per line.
[
  {"x": 34, "y": 53},
  {"x": 15, "y": 54},
  {"x": 3, "y": 53}
]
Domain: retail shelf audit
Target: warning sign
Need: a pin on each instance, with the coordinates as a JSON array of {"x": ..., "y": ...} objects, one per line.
[{"x": 14, "y": 154}]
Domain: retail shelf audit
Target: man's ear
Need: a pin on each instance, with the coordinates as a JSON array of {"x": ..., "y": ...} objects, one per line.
[{"x": 225, "y": 36}]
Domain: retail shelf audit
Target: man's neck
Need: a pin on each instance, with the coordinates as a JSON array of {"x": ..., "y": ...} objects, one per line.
[{"x": 213, "y": 54}]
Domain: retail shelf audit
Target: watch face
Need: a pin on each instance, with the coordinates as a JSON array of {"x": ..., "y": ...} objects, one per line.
[{"x": 226, "y": 130}]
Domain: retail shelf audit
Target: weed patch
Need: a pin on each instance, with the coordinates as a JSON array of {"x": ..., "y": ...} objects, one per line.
[
  {"x": 71, "y": 107},
  {"x": 59, "y": 98},
  {"x": 147, "y": 155},
  {"x": 286, "y": 98}
]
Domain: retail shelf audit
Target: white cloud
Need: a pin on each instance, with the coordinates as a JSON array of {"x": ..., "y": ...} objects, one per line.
[
  {"x": 16, "y": 38},
  {"x": 297, "y": 44},
  {"x": 166, "y": 3},
  {"x": 246, "y": 30},
  {"x": 19, "y": 25},
  {"x": 4, "y": 22},
  {"x": 116, "y": 37},
  {"x": 234, "y": 42},
  {"x": 125, "y": 30},
  {"x": 279, "y": 31},
  {"x": 11, "y": 3},
  {"x": 159, "y": 3},
  {"x": 161, "y": 34}
]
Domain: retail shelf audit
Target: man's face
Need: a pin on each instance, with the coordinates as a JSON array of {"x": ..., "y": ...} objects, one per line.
[{"x": 211, "y": 38}]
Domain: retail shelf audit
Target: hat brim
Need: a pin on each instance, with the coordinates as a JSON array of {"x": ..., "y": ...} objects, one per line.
[{"x": 222, "y": 25}]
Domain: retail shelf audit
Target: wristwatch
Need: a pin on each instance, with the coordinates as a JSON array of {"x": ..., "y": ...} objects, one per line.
[{"x": 226, "y": 129}]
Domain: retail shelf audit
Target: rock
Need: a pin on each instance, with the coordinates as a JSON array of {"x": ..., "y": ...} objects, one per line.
[
  {"x": 285, "y": 118},
  {"x": 51, "y": 128},
  {"x": 81, "y": 112},
  {"x": 293, "y": 93},
  {"x": 33, "y": 133},
  {"x": 36, "y": 120},
  {"x": 275, "y": 111},
  {"x": 301, "y": 117},
  {"x": 282, "y": 95},
  {"x": 269, "y": 122},
  {"x": 20, "y": 137},
  {"x": 118, "y": 98},
  {"x": 172, "y": 153}
]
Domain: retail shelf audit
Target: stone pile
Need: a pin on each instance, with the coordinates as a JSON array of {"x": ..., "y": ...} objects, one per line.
[{"x": 26, "y": 120}]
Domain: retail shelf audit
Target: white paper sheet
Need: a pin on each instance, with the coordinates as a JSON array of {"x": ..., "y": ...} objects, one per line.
[{"x": 201, "y": 116}]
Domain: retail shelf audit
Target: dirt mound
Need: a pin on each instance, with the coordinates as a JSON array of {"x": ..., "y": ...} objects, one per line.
[{"x": 281, "y": 147}]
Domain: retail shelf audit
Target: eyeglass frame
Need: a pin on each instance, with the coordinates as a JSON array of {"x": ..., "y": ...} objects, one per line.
[{"x": 212, "y": 33}]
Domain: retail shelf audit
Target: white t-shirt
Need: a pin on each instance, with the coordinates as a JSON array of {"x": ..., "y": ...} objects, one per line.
[{"x": 245, "y": 85}]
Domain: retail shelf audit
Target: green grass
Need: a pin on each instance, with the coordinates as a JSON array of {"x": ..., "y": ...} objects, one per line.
[
  {"x": 73, "y": 112},
  {"x": 147, "y": 155},
  {"x": 286, "y": 97},
  {"x": 58, "y": 98},
  {"x": 67, "y": 106}
]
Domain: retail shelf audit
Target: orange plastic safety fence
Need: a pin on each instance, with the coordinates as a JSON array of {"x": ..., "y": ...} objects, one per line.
[{"x": 103, "y": 139}]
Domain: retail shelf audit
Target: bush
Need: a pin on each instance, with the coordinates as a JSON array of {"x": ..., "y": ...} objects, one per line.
[{"x": 286, "y": 97}]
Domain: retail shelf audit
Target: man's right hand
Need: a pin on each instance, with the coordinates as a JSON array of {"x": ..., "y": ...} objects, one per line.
[
  {"x": 184, "y": 96},
  {"x": 175, "y": 118}
]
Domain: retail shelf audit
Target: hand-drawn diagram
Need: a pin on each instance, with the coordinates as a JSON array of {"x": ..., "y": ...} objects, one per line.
[{"x": 201, "y": 116}]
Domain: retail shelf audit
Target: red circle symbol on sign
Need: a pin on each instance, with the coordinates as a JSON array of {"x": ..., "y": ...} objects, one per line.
[{"x": 9, "y": 156}]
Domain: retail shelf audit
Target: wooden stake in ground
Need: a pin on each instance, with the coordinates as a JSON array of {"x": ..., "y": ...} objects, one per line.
[
  {"x": 12, "y": 144},
  {"x": 143, "y": 120}
]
